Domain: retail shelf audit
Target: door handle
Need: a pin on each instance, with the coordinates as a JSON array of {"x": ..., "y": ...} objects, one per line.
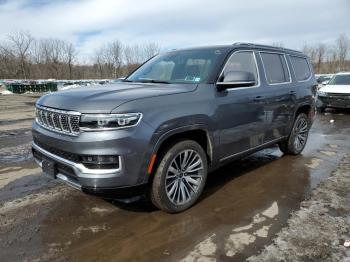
[
  {"x": 293, "y": 92},
  {"x": 259, "y": 98}
]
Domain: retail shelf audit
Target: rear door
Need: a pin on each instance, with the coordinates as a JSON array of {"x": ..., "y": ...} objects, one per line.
[{"x": 279, "y": 94}]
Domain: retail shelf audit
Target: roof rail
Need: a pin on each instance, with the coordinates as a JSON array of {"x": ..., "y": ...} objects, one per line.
[{"x": 267, "y": 46}]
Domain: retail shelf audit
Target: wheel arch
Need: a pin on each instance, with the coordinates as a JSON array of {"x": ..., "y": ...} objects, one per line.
[
  {"x": 306, "y": 109},
  {"x": 196, "y": 133}
]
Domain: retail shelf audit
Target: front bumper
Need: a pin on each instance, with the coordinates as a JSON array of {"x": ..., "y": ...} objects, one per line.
[
  {"x": 336, "y": 101},
  {"x": 131, "y": 147}
]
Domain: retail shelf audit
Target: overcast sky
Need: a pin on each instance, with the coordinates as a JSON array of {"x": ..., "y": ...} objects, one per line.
[{"x": 181, "y": 23}]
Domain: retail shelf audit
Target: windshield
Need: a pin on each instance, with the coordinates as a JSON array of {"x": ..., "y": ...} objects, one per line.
[
  {"x": 186, "y": 66},
  {"x": 323, "y": 78},
  {"x": 340, "y": 80}
]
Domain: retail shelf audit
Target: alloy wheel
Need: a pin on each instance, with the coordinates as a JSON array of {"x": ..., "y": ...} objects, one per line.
[
  {"x": 184, "y": 177},
  {"x": 301, "y": 133}
]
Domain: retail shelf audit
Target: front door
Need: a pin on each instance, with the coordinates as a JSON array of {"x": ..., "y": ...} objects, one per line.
[{"x": 240, "y": 110}]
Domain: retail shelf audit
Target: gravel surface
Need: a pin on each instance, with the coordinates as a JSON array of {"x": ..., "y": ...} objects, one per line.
[{"x": 318, "y": 231}]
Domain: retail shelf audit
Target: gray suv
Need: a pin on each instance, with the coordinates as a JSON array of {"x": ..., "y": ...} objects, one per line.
[{"x": 177, "y": 117}]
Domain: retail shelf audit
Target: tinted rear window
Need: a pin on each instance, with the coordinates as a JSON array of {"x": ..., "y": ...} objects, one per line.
[
  {"x": 276, "y": 70},
  {"x": 301, "y": 68}
]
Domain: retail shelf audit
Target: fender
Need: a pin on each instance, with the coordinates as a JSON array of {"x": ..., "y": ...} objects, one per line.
[{"x": 159, "y": 138}]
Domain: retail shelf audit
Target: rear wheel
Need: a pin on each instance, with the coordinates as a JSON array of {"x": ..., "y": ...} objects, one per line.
[
  {"x": 180, "y": 177},
  {"x": 297, "y": 139}
]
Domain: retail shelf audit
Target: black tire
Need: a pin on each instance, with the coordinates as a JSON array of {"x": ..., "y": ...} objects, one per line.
[
  {"x": 290, "y": 146},
  {"x": 159, "y": 194}
]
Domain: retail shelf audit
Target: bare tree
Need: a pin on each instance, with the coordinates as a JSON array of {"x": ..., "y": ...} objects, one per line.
[
  {"x": 69, "y": 55},
  {"x": 8, "y": 62},
  {"x": 320, "y": 51},
  {"x": 115, "y": 52},
  {"x": 343, "y": 47},
  {"x": 149, "y": 50},
  {"x": 20, "y": 44},
  {"x": 99, "y": 62},
  {"x": 310, "y": 51}
]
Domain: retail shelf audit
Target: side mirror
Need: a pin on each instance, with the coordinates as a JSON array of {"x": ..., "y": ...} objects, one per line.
[{"x": 233, "y": 79}]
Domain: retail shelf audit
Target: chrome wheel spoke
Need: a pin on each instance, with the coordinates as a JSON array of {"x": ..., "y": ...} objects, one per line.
[
  {"x": 192, "y": 181},
  {"x": 194, "y": 166},
  {"x": 183, "y": 197},
  {"x": 172, "y": 192},
  {"x": 172, "y": 170},
  {"x": 189, "y": 185}
]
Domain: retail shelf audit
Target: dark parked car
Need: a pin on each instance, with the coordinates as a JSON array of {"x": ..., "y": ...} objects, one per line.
[{"x": 178, "y": 116}]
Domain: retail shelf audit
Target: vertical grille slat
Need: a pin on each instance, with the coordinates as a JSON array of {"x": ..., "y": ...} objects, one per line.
[
  {"x": 60, "y": 121},
  {"x": 49, "y": 119},
  {"x": 65, "y": 126},
  {"x": 69, "y": 123},
  {"x": 43, "y": 115}
]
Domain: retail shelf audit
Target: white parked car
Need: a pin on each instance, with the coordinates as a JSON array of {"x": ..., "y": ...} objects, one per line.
[{"x": 336, "y": 94}]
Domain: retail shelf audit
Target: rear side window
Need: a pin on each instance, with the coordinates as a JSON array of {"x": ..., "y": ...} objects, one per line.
[
  {"x": 301, "y": 68},
  {"x": 276, "y": 69}
]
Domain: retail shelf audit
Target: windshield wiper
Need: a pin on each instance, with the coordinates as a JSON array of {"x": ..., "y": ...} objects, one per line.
[
  {"x": 126, "y": 80},
  {"x": 147, "y": 80}
]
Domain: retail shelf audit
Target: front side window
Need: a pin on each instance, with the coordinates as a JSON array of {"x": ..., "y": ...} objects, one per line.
[
  {"x": 276, "y": 69},
  {"x": 185, "y": 66},
  {"x": 301, "y": 68},
  {"x": 242, "y": 61},
  {"x": 340, "y": 80}
]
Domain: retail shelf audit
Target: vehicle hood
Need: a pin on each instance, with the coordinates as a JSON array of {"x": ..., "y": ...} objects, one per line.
[
  {"x": 104, "y": 98},
  {"x": 341, "y": 89}
]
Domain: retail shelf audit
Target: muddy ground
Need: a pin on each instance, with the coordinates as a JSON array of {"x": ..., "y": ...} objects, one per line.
[{"x": 245, "y": 204}]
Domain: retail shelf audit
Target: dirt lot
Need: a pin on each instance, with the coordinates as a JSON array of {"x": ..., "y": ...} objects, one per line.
[{"x": 245, "y": 204}]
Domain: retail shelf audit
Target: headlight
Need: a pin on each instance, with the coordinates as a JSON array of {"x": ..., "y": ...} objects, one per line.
[
  {"x": 321, "y": 93},
  {"x": 93, "y": 122}
]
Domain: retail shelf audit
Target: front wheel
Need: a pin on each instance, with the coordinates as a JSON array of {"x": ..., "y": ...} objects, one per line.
[
  {"x": 297, "y": 139},
  {"x": 180, "y": 177}
]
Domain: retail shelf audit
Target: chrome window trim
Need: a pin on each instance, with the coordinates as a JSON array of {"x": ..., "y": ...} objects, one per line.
[
  {"x": 308, "y": 64},
  {"x": 263, "y": 65},
  {"x": 245, "y": 87}
]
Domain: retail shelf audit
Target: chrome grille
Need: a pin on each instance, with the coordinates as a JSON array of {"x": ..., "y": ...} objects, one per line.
[
  {"x": 341, "y": 95},
  {"x": 66, "y": 122}
]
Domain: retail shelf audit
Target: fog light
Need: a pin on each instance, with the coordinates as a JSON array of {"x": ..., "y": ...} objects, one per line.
[{"x": 100, "y": 161}]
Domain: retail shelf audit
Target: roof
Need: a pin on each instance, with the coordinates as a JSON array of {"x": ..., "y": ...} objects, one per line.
[
  {"x": 270, "y": 47},
  {"x": 238, "y": 44}
]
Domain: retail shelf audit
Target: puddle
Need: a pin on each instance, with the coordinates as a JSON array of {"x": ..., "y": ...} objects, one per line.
[{"x": 15, "y": 154}]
